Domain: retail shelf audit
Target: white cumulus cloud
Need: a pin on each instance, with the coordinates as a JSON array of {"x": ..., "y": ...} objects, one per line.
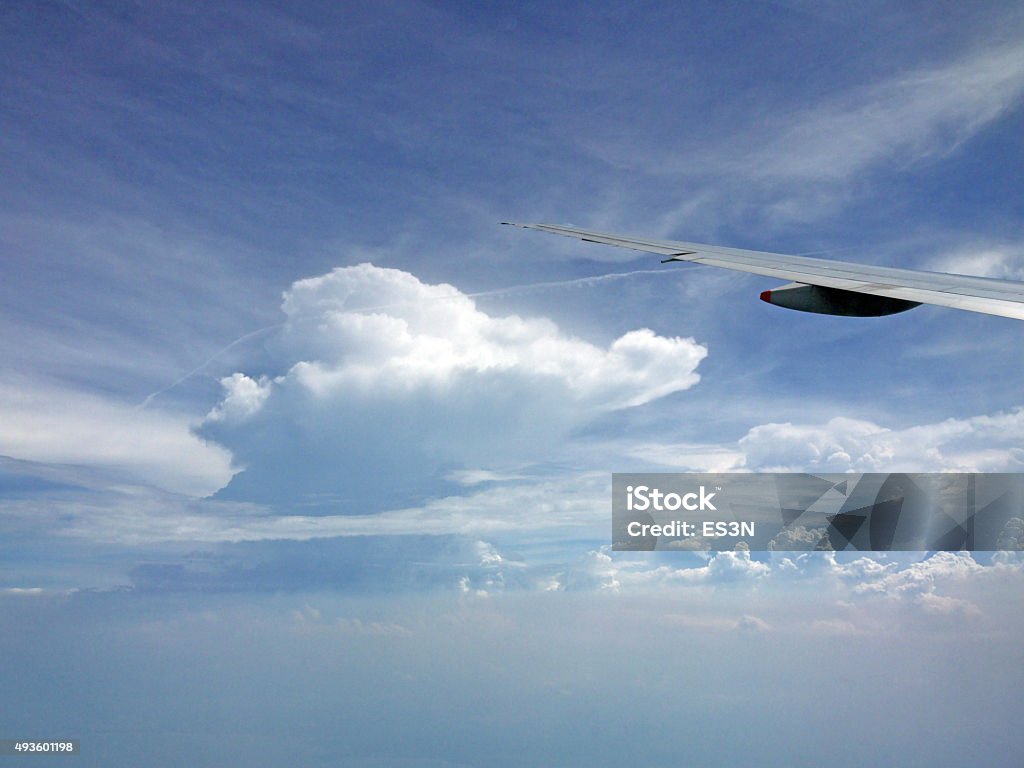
[
  {"x": 243, "y": 396},
  {"x": 974, "y": 444},
  {"x": 371, "y": 330},
  {"x": 390, "y": 381}
]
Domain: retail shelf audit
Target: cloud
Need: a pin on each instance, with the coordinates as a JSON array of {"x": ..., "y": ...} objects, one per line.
[
  {"x": 1002, "y": 261},
  {"x": 913, "y": 112},
  {"x": 46, "y": 424},
  {"x": 604, "y": 570},
  {"x": 312, "y": 618},
  {"x": 914, "y": 115},
  {"x": 799, "y": 161},
  {"x": 480, "y": 502},
  {"x": 982, "y": 443},
  {"x": 242, "y": 398},
  {"x": 365, "y": 564},
  {"x": 869, "y": 595},
  {"x": 946, "y": 585},
  {"x": 941, "y": 605},
  {"x": 1011, "y": 538},
  {"x": 471, "y": 477},
  {"x": 974, "y": 444},
  {"x": 920, "y": 577},
  {"x": 800, "y": 538},
  {"x": 748, "y": 623},
  {"x": 571, "y": 506},
  {"x": 393, "y": 387},
  {"x": 367, "y": 329}
]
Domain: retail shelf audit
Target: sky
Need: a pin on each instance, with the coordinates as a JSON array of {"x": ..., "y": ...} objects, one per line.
[{"x": 305, "y": 458}]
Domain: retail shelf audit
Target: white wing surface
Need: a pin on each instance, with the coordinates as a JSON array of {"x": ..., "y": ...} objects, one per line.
[{"x": 826, "y": 286}]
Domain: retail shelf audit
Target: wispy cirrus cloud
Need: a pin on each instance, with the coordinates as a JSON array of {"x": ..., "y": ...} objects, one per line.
[
  {"x": 796, "y": 161},
  {"x": 912, "y": 116}
]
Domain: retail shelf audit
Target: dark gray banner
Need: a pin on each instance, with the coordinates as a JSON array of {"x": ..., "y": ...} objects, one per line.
[{"x": 789, "y": 511}]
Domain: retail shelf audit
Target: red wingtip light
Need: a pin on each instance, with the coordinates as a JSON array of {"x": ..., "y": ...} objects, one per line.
[{"x": 766, "y": 296}]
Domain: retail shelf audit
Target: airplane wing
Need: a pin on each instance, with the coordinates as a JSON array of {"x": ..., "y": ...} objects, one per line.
[{"x": 830, "y": 287}]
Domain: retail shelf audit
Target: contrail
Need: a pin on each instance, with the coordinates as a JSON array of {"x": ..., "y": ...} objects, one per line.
[
  {"x": 200, "y": 368},
  {"x": 524, "y": 288},
  {"x": 512, "y": 289},
  {"x": 564, "y": 283}
]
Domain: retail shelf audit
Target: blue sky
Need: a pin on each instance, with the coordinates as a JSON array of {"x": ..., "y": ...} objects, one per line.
[{"x": 296, "y": 439}]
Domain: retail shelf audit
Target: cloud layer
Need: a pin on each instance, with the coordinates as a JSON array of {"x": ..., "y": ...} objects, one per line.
[{"x": 124, "y": 445}]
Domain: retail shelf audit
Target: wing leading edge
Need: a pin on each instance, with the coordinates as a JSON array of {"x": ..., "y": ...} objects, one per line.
[{"x": 896, "y": 289}]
